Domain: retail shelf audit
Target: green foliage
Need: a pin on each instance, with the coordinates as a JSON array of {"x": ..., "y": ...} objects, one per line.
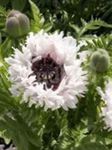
[
  {"x": 37, "y": 23},
  {"x": 3, "y": 14},
  {"x": 38, "y": 20},
  {"x": 92, "y": 25},
  {"x": 92, "y": 146},
  {"x": 32, "y": 128}
]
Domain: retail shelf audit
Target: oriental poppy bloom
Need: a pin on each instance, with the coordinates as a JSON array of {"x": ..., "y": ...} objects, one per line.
[{"x": 48, "y": 72}]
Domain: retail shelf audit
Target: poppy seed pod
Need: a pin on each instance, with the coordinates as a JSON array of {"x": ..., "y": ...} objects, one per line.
[
  {"x": 17, "y": 24},
  {"x": 100, "y": 61}
]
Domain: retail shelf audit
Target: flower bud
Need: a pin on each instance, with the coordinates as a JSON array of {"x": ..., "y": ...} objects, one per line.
[
  {"x": 100, "y": 61},
  {"x": 17, "y": 24}
]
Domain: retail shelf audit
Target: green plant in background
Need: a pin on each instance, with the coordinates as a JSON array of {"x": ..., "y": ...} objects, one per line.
[
  {"x": 32, "y": 128},
  {"x": 63, "y": 12}
]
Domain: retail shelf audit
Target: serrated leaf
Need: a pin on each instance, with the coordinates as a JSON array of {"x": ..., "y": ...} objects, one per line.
[
  {"x": 35, "y": 10},
  {"x": 86, "y": 26},
  {"x": 38, "y": 19}
]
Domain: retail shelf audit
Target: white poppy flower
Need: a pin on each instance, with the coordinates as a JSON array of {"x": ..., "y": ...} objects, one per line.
[
  {"x": 106, "y": 95},
  {"x": 48, "y": 72}
]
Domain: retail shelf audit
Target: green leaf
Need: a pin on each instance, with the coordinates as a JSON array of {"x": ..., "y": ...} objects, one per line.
[
  {"x": 5, "y": 82},
  {"x": 47, "y": 27},
  {"x": 14, "y": 131},
  {"x": 23, "y": 127},
  {"x": 35, "y": 10},
  {"x": 75, "y": 27},
  {"x": 7, "y": 101},
  {"x": 18, "y": 4},
  {"x": 87, "y": 26},
  {"x": 5, "y": 48},
  {"x": 92, "y": 146},
  {"x": 93, "y": 25},
  {"x": 3, "y": 12},
  {"x": 38, "y": 20}
]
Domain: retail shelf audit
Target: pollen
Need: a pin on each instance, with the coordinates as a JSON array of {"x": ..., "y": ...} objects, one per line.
[{"x": 47, "y": 71}]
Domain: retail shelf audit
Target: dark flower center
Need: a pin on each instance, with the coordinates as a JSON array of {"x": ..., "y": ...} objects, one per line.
[{"x": 47, "y": 71}]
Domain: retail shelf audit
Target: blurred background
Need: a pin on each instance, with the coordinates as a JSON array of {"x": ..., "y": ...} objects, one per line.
[{"x": 62, "y": 13}]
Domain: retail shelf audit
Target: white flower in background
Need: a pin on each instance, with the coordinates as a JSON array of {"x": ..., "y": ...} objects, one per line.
[
  {"x": 11, "y": 148},
  {"x": 106, "y": 95},
  {"x": 2, "y": 147},
  {"x": 48, "y": 72}
]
